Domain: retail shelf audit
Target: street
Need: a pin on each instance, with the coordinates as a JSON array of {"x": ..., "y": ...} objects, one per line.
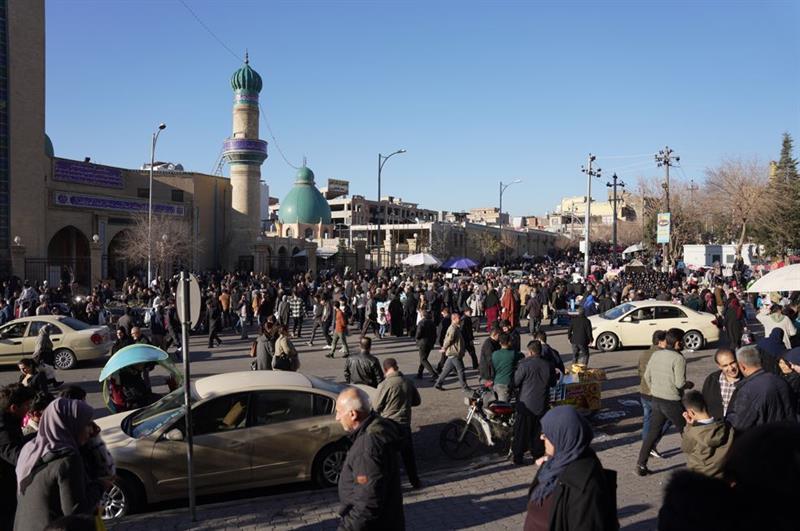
[{"x": 487, "y": 489}]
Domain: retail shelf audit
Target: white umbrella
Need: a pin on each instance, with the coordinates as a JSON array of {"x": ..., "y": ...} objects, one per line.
[
  {"x": 633, "y": 249},
  {"x": 784, "y": 279},
  {"x": 421, "y": 259}
]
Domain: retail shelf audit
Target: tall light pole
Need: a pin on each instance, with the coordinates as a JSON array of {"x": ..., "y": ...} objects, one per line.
[
  {"x": 614, "y": 221},
  {"x": 157, "y": 132},
  {"x": 664, "y": 158},
  {"x": 381, "y": 161},
  {"x": 587, "y": 224},
  {"x": 500, "y": 218}
]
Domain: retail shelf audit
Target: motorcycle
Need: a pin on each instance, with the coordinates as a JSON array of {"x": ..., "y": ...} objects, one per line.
[{"x": 488, "y": 422}]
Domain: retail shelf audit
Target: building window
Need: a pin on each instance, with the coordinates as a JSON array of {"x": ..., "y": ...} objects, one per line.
[
  {"x": 144, "y": 193},
  {"x": 177, "y": 196},
  {"x": 309, "y": 233},
  {"x": 288, "y": 232}
]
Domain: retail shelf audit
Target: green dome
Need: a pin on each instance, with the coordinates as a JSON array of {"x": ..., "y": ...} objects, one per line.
[
  {"x": 246, "y": 79},
  {"x": 48, "y": 147},
  {"x": 304, "y": 203}
]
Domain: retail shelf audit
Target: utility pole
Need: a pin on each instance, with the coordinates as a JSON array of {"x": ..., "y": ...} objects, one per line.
[
  {"x": 588, "y": 220},
  {"x": 500, "y": 219},
  {"x": 614, "y": 221},
  {"x": 692, "y": 189},
  {"x": 665, "y": 157}
]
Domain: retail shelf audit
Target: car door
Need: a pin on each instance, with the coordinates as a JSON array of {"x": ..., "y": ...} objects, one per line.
[
  {"x": 671, "y": 317},
  {"x": 289, "y": 428},
  {"x": 638, "y": 327},
  {"x": 221, "y": 444},
  {"x": 11, "y": 337},
  {"x": 29, "y": 343}
]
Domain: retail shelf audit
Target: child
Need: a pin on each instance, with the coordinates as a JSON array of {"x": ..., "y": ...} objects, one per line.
[
  {"x": 382, "y": 322},
  {"x": 30, "y": 424},
  {"x": 706, "y": 441}
]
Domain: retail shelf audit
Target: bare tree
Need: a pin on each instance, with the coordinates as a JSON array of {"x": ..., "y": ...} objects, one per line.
[
  {"x": 172, "y": 242},
  {"x": 736, "y": 192}
]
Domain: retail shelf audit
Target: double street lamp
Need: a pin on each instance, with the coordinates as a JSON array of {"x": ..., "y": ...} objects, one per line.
[
  {"x": 500, "y": 218},
  {"x": 157, "y": 132},
  {"x": 381, "y": 161}
]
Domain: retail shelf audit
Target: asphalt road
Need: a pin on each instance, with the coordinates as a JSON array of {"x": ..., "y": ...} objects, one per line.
[{"x": 619, "y": 416}]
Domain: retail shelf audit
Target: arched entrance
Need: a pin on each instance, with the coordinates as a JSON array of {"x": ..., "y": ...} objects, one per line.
[
  {"x": 282, "y": 258},
  {"x": 68, "y": 256},
  {"x": 118, "y": 267}
]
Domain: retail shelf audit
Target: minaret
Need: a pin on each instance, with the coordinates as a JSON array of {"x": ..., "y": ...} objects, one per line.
[{"x": 245, "y": 153}]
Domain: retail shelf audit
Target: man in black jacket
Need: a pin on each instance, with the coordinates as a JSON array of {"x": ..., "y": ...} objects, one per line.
[
  {"x": 550, "y": 354},
  {"x": 370, "y": 495},
  {"x": 490, "y": 344},
  {"x": 533, "y": 310},
  {"x": 533, "y": 378},
  {"x": 410, "y": 313},
  {"x": 580, "y": 336},
  {"x": 761, "y": 397},
  {"x": 720, "y": 385},
  {"x": 15, "y": 400},
  {"x": 363, "y": 368},
  {"x": 469, "y": 336},
  {"x": 426, "y": 339}
]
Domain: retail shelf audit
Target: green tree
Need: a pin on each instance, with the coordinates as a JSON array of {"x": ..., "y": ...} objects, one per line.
[
  {"x": 779, "y": 229},
  {"x": 786, "y": 170}
]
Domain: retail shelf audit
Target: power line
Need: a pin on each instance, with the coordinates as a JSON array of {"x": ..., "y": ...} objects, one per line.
[
  {"x": 274, "y": 140},
  {"x": 210, "y": 32},
  {"x": 626, "y": 156}
]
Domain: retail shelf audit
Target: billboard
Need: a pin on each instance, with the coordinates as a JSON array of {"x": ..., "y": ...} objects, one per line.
[
  {"x": 663, "y": 226},
  {"x": 337, "y": 186}
]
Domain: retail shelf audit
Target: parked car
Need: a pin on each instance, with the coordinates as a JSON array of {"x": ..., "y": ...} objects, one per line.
[
  {"x": 73, "y": 340},
  {"x": 250, "y": 429},
  {"x": 632, "y": 325}
]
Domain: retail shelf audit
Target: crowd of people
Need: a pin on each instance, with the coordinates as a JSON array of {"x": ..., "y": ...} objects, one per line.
[{"x": 757, "y": 385}]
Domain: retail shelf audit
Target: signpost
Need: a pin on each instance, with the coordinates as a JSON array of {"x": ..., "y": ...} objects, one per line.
[
  {"x": 188, "y": 303},
  {"x": 663, "y": 228}
]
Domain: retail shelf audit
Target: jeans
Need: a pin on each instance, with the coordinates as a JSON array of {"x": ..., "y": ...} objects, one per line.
[
  {"x": 580, "y": 354},
  {"x": 502, "y": 392},
  {"x": 339, "y": 336},
  {"x": 470, "y": 348},
  {"x": 243, "y": 325},
  {"x": 663, "y": 410},
  {"x": 424, "y": 352},
  {"x": 382, "y": 330},
  {"x": 533, "y": 325},
  {"x": 319, "y": 325},
  {"x": 453, "y": 362},
  {"x": 647, "y": 412},
  {"x": 297, "y": 326}
]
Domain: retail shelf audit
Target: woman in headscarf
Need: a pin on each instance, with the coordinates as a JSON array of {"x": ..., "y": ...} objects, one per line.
[
  {"x": 491, "y": 305},
  {"x": 510, "y": 307},
  {"x": 51, "y": 475},
  {"x": 396, "y": 314},
  {"x": 43, "y": 355},
  {"x": 123, "y": 340},
  {"x": 571, "y": 491},
  {"x": 734, "y": 321}
]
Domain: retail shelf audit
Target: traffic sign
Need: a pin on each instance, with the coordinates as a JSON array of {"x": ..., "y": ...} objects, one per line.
[{"x": 194, "y": 301}]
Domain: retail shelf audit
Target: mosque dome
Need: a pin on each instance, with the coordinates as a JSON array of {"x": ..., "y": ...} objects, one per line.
[
  {"x": 246, "y": 79},
  {"x": 48, "y": 147},
  {"x": 304, "y": 203}
]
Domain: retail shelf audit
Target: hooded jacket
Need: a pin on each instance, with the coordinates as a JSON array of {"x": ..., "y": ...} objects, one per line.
[
  {"x": 370, "y": 496},
  {"x": 706, "y": 446}
]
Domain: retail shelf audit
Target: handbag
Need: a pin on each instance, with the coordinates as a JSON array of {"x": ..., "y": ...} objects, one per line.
[{"x": 282, "y": 363}]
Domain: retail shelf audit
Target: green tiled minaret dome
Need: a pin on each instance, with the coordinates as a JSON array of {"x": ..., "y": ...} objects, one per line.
[{"x": 246, "y": 79}]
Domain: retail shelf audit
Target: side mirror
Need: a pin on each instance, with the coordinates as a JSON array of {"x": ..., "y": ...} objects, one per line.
[{"x": 175, "y": 435}]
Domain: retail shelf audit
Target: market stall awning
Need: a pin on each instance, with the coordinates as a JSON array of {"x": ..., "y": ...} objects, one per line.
[
  {"x": 421, "y": 259},
  {"x": 784, "y": 279},
  {"x": 326, "y": 252}
]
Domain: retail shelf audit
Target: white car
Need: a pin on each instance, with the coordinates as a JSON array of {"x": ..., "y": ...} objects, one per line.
[{"x": 632, "y": 325}]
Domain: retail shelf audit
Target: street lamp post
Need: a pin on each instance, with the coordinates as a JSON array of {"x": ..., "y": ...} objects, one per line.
[
  {"x": 157, "y": 132},
  {"x": 614, "y": 221},
  {"x": 500, "y": 218},
  {"x": 588, "y": 220},
  {"x": 381, "y": 161}
]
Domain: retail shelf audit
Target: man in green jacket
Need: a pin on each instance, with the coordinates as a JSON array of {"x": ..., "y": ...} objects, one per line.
[
  {"x": 706, "y": 441},
  {"x": 453, "y": 349},
  {"x": 504, "y": 363},
  {"x": 396, "y": 396}
]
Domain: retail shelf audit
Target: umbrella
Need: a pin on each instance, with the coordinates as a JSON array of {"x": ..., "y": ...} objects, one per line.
[
  {"x": 783, "y": 279},
  {"x": 459, "y": 263},
  {"x": 132, "y": 355},
  {"x": 633, "y": 249},
  {"x": 421, "y": 259}
]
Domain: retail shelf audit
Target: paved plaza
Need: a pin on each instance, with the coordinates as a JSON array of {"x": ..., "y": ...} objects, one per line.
[{"x": 456, "y": 495}]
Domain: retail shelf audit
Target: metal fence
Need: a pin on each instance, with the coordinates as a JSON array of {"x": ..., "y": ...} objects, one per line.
[{"x": 56, "y": 269}]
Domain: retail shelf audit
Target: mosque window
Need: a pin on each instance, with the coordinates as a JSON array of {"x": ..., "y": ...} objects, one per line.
[
  {"x": 143, "y": 193},
  {"x": 177, "y": 196},
  {"x": 288, "y": 232},
  {"x": 309, "y": 233}
]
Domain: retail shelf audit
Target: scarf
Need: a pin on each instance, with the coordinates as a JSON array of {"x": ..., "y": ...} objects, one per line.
[
  {"x": 59, "y": 431},
  {"x": 571, "y": 435}
]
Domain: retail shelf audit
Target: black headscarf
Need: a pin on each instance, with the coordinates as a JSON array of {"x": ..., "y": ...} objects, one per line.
[{"x": 571, "y": 435}]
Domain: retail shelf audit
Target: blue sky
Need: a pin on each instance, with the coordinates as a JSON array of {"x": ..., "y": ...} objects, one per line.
[{"x": 475, "y": 91}]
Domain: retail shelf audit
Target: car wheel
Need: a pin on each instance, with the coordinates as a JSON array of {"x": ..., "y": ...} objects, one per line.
[
  {"x": 328, "y": 465},
  {"x": 607, "y": 342},
  {"x": 122, "y": 499},
  {"x": 693, "y": 340},
  {"x": 64, "y": 359}
]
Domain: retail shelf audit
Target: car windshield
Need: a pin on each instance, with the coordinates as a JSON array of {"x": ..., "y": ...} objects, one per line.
[
  {"x": 153, "y": 417},
  {"x": 75, "y": 324},
  {"x": 618, "y": 311}
]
